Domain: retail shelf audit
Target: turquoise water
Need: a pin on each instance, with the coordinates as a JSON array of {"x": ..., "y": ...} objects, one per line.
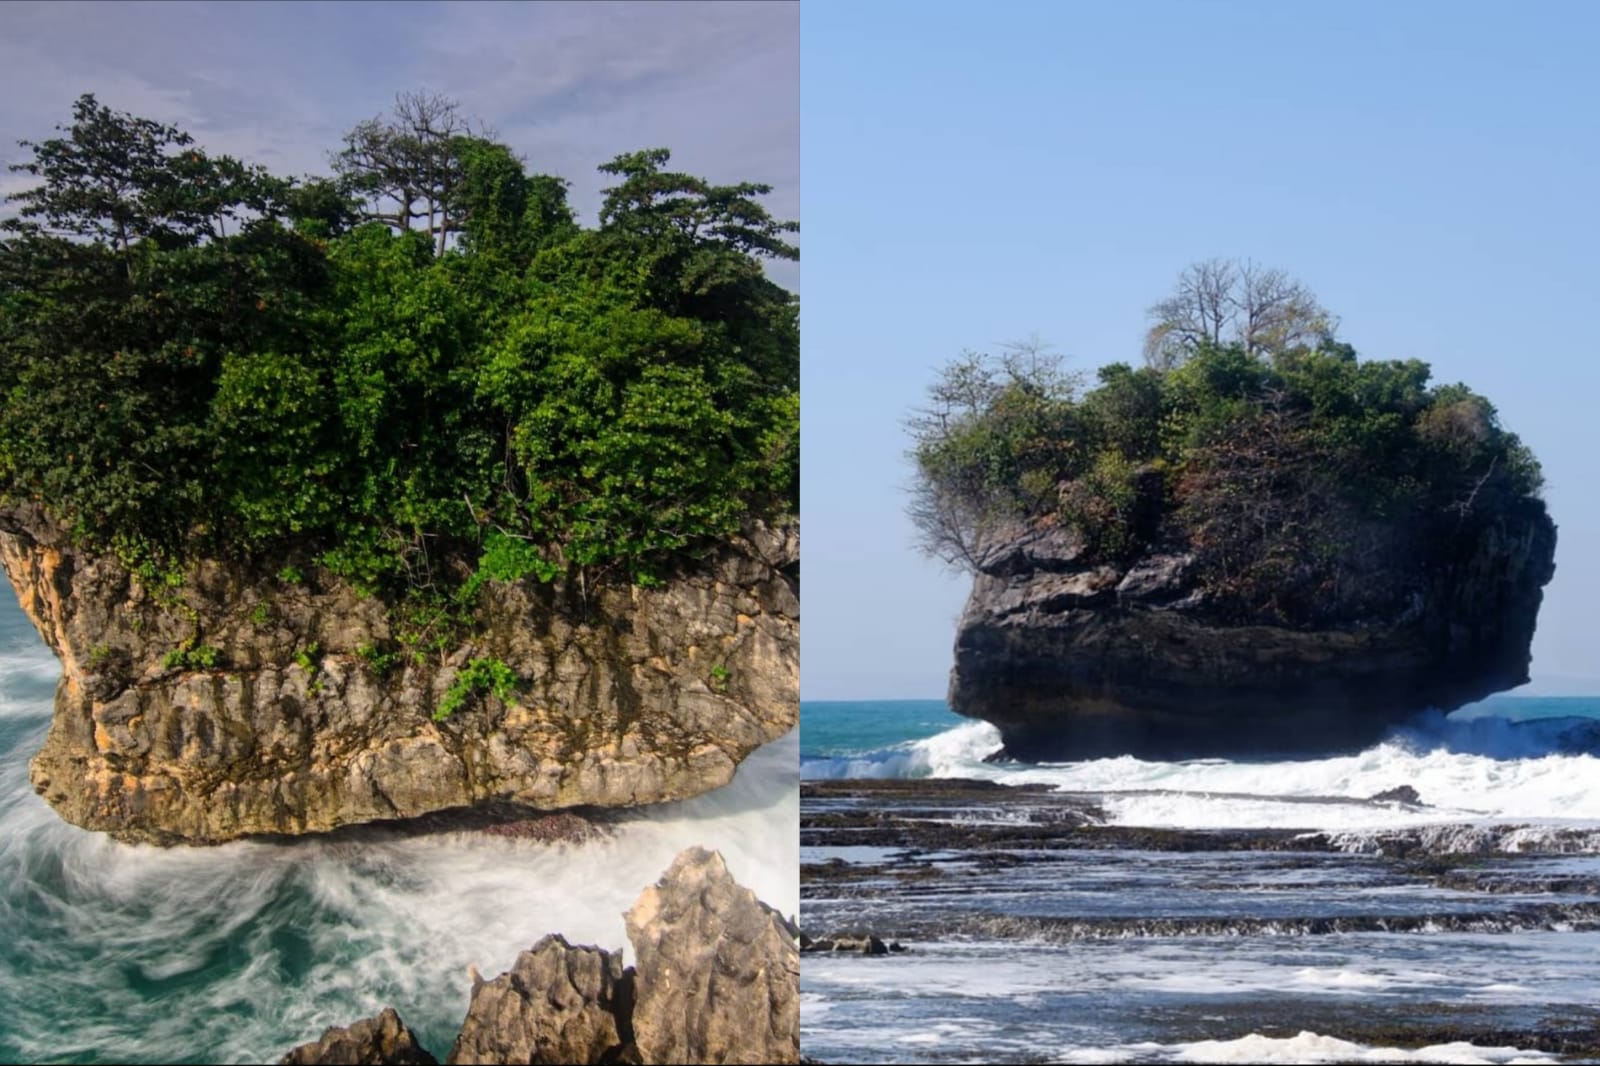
[
  {"x": 856, "y": 727},
  {"x": 118, "y": 953},
  {"x": 879, "y": 738},
  {"x": 1068, "y": 947}
]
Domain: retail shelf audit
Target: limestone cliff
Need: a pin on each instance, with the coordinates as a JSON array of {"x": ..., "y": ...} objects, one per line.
[
  {"x": 627, "y": 695},
  {"x": 1071, "y": 659}
]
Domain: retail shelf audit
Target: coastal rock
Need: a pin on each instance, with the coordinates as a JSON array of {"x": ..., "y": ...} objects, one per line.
[
  {"x": 718, "y": 981},
  {"x": 557, "y": 1004},
  {"x": 1071, "y": 660},
  {"x": 299, "y": 717},
  {"x": 718, "y": 970},
  {"x": 848, "y": 945},
  {"x": 380, "y": 1041}
]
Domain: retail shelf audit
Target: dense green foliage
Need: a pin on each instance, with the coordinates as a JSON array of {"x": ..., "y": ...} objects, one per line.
[
  {"x": 1298, "y": 478},
  {"x": 196, "y": 356}
]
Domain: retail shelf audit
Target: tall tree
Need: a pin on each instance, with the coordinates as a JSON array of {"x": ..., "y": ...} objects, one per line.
[
  {"x": 1223, "y": 301},
  {"x": 409, "y": 165},
  {"x": 119, "y": 179}
]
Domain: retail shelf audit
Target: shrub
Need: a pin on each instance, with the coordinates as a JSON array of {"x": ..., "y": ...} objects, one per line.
[
  {"x": 267, "y": 378},
  {"x": 1311, "y": 486},
  {"x": 188, "y": 656},
  {"x": 478, "y": 677}
]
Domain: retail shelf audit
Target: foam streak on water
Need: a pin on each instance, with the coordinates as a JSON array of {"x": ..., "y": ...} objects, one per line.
[
  {"x": 1307, "y": 1047},
  {"x": 111, "y": 952},
  {"x": 1209, "y": 910},
  {"x": 1464, "y": 768}
]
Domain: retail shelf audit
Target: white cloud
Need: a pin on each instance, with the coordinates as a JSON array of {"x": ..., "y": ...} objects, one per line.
[{"x": 569, "y": 85}]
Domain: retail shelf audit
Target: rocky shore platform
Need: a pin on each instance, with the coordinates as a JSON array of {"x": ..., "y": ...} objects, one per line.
[{"x": 1017, "y": 910}]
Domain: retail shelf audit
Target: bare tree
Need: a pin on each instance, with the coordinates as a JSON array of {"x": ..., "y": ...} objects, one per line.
[
  {"x": 1223, "y": 301},
  {"x": 959, "y": 496},
  {"x": 408, "y": 166},
  {"x": 430, "y": 123},
  {"x": 948, "y": 525},
  {"x": 1274, "y": 312}
]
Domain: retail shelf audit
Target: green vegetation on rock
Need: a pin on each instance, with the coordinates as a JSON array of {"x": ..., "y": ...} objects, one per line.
[
  {"x": 1296, "y": 474},
  {"x": 192, "y": 657},
  {"x": 479, "y": 677},
  {"x": 421, "y": 375}
]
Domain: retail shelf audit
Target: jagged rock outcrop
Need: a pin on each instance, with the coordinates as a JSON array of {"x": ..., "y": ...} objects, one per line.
[
  {"x": 380, "y": 1041},
  {"x": 1071, "y": 659},
  {"x": 557, "y": 1004},
  {"x": 717, "y": 981},
  {"x": 628, "y": 695},
  {"x": 718, "y": 971}
]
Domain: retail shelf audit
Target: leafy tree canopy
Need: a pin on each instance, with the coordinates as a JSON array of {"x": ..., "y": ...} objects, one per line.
[
  {"x": 1310, "y": 485},
  {"x": 197, "y": 356}
]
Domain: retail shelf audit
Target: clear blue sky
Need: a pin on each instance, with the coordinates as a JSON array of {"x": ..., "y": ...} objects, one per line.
[{"x": 978, "y": 173}]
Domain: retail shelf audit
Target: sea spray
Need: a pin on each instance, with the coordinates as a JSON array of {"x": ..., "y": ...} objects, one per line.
[
  {"x": 112, "y": 952},
  {"x": 1211, "y": 910},
  {"x": 1464, "y": 769}
]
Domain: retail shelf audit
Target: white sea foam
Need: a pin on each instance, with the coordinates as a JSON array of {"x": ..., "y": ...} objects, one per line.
[
  {"x": 956, "y": 752},
  {"x": 996, "y": 970},
  {"x": 1307, "y": 1047},
  {"x": 27, "y": 678},
  {"x": 240, "y": 951},
  {"x": 814, "y": 1007},
  {"x": 1341, "y": 979},
  {"x": 1455, "y": 787},
  {"x": 1082, "y": 1003},
  {"x": 1477, "y": 770}
]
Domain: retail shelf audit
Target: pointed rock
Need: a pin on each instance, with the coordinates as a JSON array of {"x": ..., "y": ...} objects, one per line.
[
  {"x": 718, "y": 971},
  {"x": 558, "y": 1003},
  {"x": 380, "y": 1041}
]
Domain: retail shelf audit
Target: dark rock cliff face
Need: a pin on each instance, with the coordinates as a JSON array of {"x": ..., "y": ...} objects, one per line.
[
  {"x": 1075, "y": 661},
  {"x": 628, "y": 695}
]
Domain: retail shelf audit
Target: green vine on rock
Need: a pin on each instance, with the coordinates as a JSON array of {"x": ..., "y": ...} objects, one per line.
[
  {"x": 480, "y": 676},
  {"x": 189, "y": 656}
]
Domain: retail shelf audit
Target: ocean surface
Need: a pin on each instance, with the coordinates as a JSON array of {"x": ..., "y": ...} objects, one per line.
[
  {"x": 1208, "y": 910},
  {"x": 119, "y": 953}
]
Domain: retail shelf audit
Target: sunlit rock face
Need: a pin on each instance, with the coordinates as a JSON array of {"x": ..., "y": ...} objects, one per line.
[
  {"x": 625, "y": 695},
  {"x": 717, "y": 981}
]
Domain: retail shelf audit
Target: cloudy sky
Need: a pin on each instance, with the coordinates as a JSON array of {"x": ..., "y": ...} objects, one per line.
[{"x": 567, "y": 85}]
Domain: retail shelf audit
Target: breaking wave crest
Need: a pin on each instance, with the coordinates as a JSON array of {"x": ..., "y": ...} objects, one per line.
[
  {"x": 119, "y": 953},
  {"x": 1465, "y": 769}
]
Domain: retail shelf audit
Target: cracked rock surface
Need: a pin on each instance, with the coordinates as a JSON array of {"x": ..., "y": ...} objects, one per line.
[
  {"x": 1075, "y": 659},
  {"x": 626, "y": 695}
]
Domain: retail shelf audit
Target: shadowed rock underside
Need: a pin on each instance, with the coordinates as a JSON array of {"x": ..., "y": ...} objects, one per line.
[{"x": 1074, "y": 660}]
